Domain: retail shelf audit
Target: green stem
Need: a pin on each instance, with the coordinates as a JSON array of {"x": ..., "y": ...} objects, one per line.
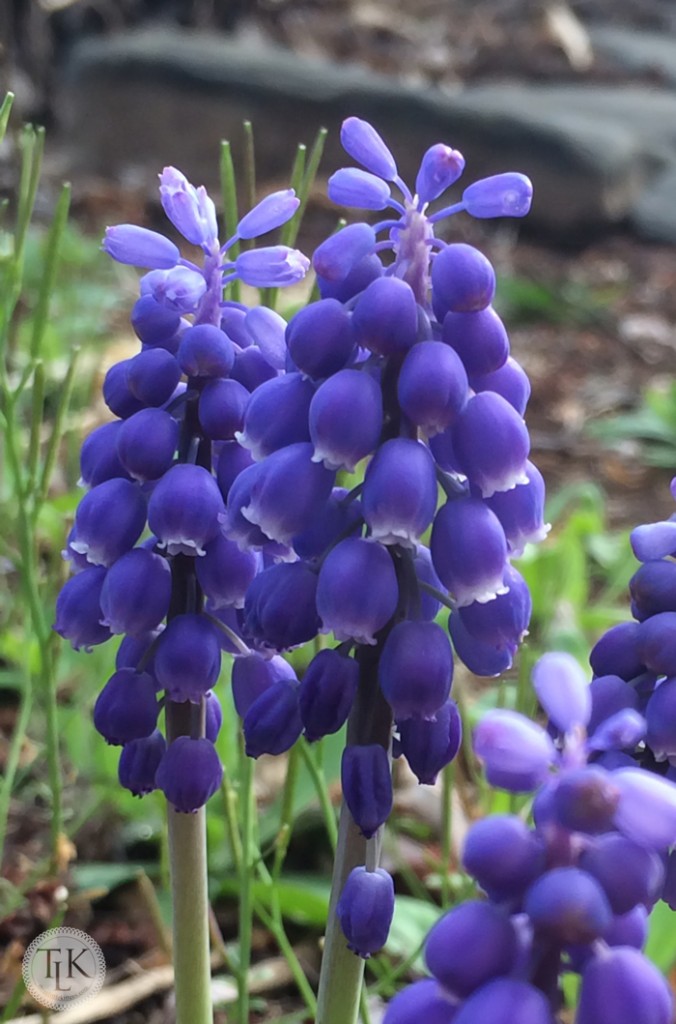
[
  {"x": 322, "y": 791},
  {"x": 245, "y": 886},
  {"x": 446, "y": 832},
  {"x": 14, "y": 754}
]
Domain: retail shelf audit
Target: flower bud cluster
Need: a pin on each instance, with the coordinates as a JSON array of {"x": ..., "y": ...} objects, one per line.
[
  {"x": 572, "y": 892},
  {"x": 147, "y": 548}
]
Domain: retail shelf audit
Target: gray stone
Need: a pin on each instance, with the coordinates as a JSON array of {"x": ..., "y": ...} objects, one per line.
[
  {"x": 643, "y": 52},
  {"x": 653, "y": 216}
]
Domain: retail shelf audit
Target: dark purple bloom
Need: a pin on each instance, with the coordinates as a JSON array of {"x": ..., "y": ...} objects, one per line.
[
  {"x": 521, "y": 511},
  {"x": 206, "y": 351},
  {"x": 621, "y": 986},
  {"x": 365, "y": 910},
  {"x": 326, "y": 694},
  {"x": 154, "y": 324},
  {"x": 280, "y": 609},
  {"x": 99, "y": 460},
  {"x": 432, "y": 386},
  {"x": 502, "y": 622},
  {"x": 332, "y": 521},
  {"x": 345, "y": 606},
  {"x": 505, "y": 1001},
  {"x": 345, "y": 419},
  {"x": 277, "y": 415},
  {"x": 653, "y": 589},
  {"x": 399, "y": 498},
  {"x": 109, "y": 520},
  {"x": 127, "y": 708},
  {"x": 510, "y": 381},
  {"x": 319, "y": 338},
  {"x": 463, "y": 280},
  {"x": 657, "y": 643},
  {"x": 152, "y": 376},
  {"x": 232, "y": 459},
  {"x": 188, "y": 658},
  {"x": 429, "y": 745},
  {"x": 491, "y": 444},
  {"x": 225, "y": 571},
  {"x": 469, "y": 551},
  {"x": 78, "y": 610},
  {"x": 189, "y": 773},
  {"x": 569, "y": 905},
  {"x": 253, "y": 674},
  {"x": 367, "y": 786},
  {"x": 146, "y": 444},
  {"x": 385, "y": 318},
  {"x": 617, "y": 652},
  {"x": 480, "y": 657},
  {"x": 342, "y": 252},
  {"x": 585, "y": 799},
  {"x": 479, "y": 338},
  {"x": 136, "y": 592},
  {"x": 184, "y": 508},
  {"x": 628, "y": 873},
  {"x": 222, "y": 405},
  {"x": 521, "y": 855},
  {"x": 272, "y": 723},
  {"x": 470, "y": 945},
  {"x": 424, "y": 1000},
  {"x": 139, "y": 761},
  {"x": 416, "y": 669}
]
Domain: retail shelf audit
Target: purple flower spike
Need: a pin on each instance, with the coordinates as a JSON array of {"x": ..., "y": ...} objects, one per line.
[
  {"x": 432, "y": 386},
  {"x": 273, "y": 724},
  {"x": 78, "y": 610},
  {"x": 253, "y": 675},
  {"x": 469, "y": 551},
  {"x": 326, "y": 693},
  {"x": 516, "y": 752},
  {"x": 429, "y": 746},
  {"x": 424, "y": 1000},
  {"x": 346, "y": 419},
  {"x": 189, "y": 773},
  {"x": 136, "y": 592},
  {"x": 109, "y": 520},
  {"x": 505, "y": 1001},
  {"x": 441, "y": 166},
  {"x": 521, "y": 511},
  {"x": 646, "y": 810},
  {"x": 470, "y": 945},
  {"x": 416, "y": 669},
  {"x": 126, "y": 708},
  {"x": 362, "y": 142},
  {"x": 188, "y": 658},
  {"x": 179, "y": 289},
  {"x": 140, "y": 247},
  {"x": 365, "y": 910},
  {"x": 358, "y": 189},
  {"x": 271, "y": 267},
  {"x": 562, "y": 688},
  {"x": 621, "y": 986},
  {"x": 491, "y": 444},
  {"x": 184, "y": 508},
  {"x": 277, "y": 415},
  {"x": 400, "y": 492},
  {"x": 522, "y": 856},
  {"x": 146, "y": 444},
  {"x": 511, "y": 381},
  {"x": 270, "y": 213},
  {"x": 320, "y": 339},
  {"x": 340, "y": 253},
  {"x": 463, "y": 280},
  {"x": 225, "y": 572},
  {"x": 385, "y": 318},
  {"x": 139, "y": 761},
  {"x": 345, "y": 606},
  {"x": 480, "y": 339},
  {"x": 654, "y": 540},
  {"x": 366, "y": 780},
  {"x": 502, "y": 195},
  {"x": 189, "y": 209},
  {"x": 280, "y": 609}
]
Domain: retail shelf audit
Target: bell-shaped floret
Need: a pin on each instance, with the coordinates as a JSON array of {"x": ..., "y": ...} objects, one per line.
[
  {"x": 562, "y": 688},
  {"x": 235, "y": 525},
  {"x": 491, "y": 444},
  {"x": 319, "y": 338},
  {"x": 432, "y": 386},
  {"x": 188, "y": 658},
  {"x": 359, "y": 189},
  {"x": 416, "y": 669},
  {"x": 154, "y": 324},
  {"x": 399, "y": 498},
  {"x": 288, "y": 493},
  {"x": 653, "y": 589},
  {"x": 628, "y": 873},
  {"x": 521, "y": 511},
  {"x": 139, "y": 761},
  {"x": 179, "y": 289},
  {"x": 630, "y": 929},
  {"x": 337, "y": 518},
  {"x": 481, "y": 658},
  {"x": 646, "y": 811},
  {"x": 189, "y": 209},
  {"x": 252, "y": 369},
  {"x": 78, "y": 610},
  {"x": 661, "y": 719},
  {"x": 471, "y": 944},
  {"x": 271, "y": 267},
  {"x": 116, "y": 391},
  {"x": 280, "y": 608},
  {"x": 222, "y": 404},
  {"x": 609, "y": 694},
  {"x": 253, "y": 674},
  {"x": 617, "y": 652},
  {"x": 479, "y": 339},
  {"x": 385, "y": 318},
  {"x": 657, "y": 643},
  {"x": 152, "y": 376},
  {"x": 429, "y": 745},
  {"x": 184, "y": 508},
  {"x": 273, "y": 211},
  {"x": 99, "y": 460},
  {"x": 206, "y": 351},
  {"x": 585, "y": 799},
  {"x": 345, "y": 606},
  {"x": 277, "y": 415},
  {"x": 345, "y": 419},
  {"x": 621, "y": 986},
  {"x": 365, "y": 910},
  {"x": 326, "y": 694},
  {"x": 140, "y": 247},
  {"x": 342, "y": 252},
  {"x": 517, "y": 753},
  {"x": 366, "y": 780},
  {"x": 366, "y": 270},
  {"x": 463, "y": 280},
  {"x": 189, "y": 773},
  {"x": 501, "y": 195},
  {"x": 272, "y": 723},
  {"x": 146, "y": 444},
  {"x": 127, "y": 708},
  {"x": 505, "y": 1001},
  {"x": 568, "y": 905},
  {"x": 440, "y": 167},
  {"x": 654, "y": 540},
  {"x": 136, "y": 592},
  {"x": 232, "y": 460},
  {"x": 109, "y": 520},
  {"x": 362, "y": 142},
  {"x": 424, "y": 1000},
  {"x": 502, "y": 623},
  {"x": 469, "y": 551},
  {"x": 225, "y": 572},
  {"x": 521, "y": 857},
  {"x": 511, "y": 381}
]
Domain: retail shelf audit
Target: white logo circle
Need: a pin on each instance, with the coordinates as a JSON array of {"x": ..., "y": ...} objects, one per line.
[{"x": 63, "y": 967}]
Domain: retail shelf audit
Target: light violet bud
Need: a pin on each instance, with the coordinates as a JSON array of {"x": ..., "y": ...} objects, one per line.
[
  {"x": 501, "y": 195},
  {"x": 270, "y": 213},
  {"x": 267, "y": 329},
  {"x": 622, "y": 731},
  {"x": 179, "y": 289},
  {"x": 646, "y": 811},
  {"x": 272, "y": 266},
  {"x": 363, "y": 143},
  {"x": 189, "y": 209},
  {"x": 334, "y": 258},
  {"x": 140, "y": 247},
  {"x": 440, "y": 167},
  {"x": 653, "y": 540},
  {"x": 516, "y": 752},
  {"x": 363, "y": 191},
  {"x": 562, "y": 688}
]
